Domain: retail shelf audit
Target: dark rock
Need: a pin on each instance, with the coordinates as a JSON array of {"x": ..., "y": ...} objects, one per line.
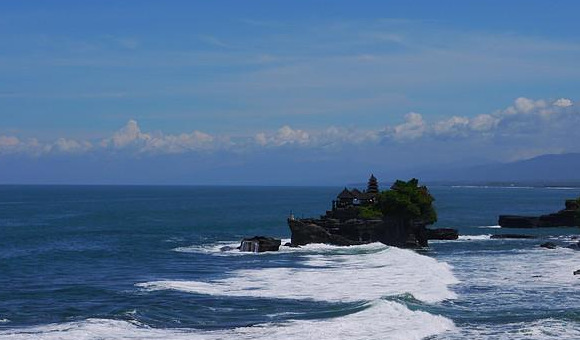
[
  {"x": 574, "y": 237},
  {"x": 575, "y": 246},
  {"x": 512, "y": 221},
  {"x": 512, "y": 236},
  {"x": 304, "y": 233},
  {"x": 288, "y": 244},
  {"x": 572, "y": 205},
  {"x": 442, "y": 234},
  {"x": 577, "y": 272},
  {"x": 567, "y": 217},
  {"x": 259, "y": 244},
  {"x": 392, "y": 232},
  {"x": 357, "y": 218},
  {"x": 549, "y": 245},
  {"x": 402, "y": 233},
  {"x": 563, "y": 218}
]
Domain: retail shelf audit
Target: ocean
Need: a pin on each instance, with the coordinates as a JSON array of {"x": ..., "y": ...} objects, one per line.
[{"x": 146, "y": 262}]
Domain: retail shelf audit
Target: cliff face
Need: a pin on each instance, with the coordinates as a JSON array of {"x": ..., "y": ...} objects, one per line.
[
  {"x": 351, "y": 232},
  {"x": 394, "y": 232},
  {"x": 403, "y": 233}
]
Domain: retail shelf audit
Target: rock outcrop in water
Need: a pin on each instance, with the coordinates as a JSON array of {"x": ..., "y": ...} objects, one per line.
[
  {"x": 331, "y": 231},
  {"x": 259, "y": 244},
  {"x": 549, "y": 245},
  {"x": 360, "y": 217},
  {"x": 568, "y": 217},
  {"x": 442, "y": 234},
  {"x": 575, "y": 246}
]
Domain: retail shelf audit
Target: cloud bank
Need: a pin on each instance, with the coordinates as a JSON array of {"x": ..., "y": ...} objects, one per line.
[{"x": 525, "y": 117}]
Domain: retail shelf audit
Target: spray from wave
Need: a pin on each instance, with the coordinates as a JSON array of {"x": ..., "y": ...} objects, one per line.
[
  {"x": 384, "y": 318},
  {"x": 384, "y": 271}
]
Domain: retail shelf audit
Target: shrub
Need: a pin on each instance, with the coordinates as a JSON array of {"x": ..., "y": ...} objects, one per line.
[{"x": 408, "y": 200}]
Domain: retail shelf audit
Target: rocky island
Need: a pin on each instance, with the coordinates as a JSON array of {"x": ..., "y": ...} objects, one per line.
[
  {"x": 398, "y": 217},
  {"x": 568, "y": 217}
]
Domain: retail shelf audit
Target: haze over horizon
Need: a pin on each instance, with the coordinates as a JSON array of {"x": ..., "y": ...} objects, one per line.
[{"x": 261, "y": 92}]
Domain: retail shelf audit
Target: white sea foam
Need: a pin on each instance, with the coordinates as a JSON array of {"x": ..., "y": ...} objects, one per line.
[
  {"x": 330, "y": 275},
  {"x": 465, "y": 238},
  {"x": 490, "y": 227},
  {"x": 382, "y": 319},
  {"x": 215, "y": 248},
  {"x": 539, "y": 329},
  {"x": 537, "y": 267},
  {"x": 224, "y": 248},
  {"x": 535, "y": 278},
  {"x": 4, "y": 321},
  {"x": 474, "y": 237},
  {"x": 229, "y": 248}
]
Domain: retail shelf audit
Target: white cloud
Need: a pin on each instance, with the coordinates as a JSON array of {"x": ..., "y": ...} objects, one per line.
[
  {"x": 563, "y": 102},
  {"x": 524, "y": 116},
  {"x": 413, "y": 128},
  {"x": 261, "y": 139},
  {"x": 330, "y": 137},
  {"x": 13, "y": 145},
  {"x": 8, "y": 142},
  {"x": 522, "y": 119},
  {"x": 336, "y": 136},
  {"x": 525, "y": 105},
  {"x": 130, "y": 134},
  {"x": 64, "y": 145},
  {"x": 455, "y": 126},
  {"x": 284, "y": 136},
  {"x": 131, "y": 137},
  {"x": 179, "y": 143},
  {"x": 483, "y": 123}
]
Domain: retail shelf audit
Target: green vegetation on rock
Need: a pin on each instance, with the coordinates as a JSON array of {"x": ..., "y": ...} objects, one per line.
[
  {"x": 405, "y": 200},
  {"x": 370, "y": 212},
  {"x": 408, "y": 200}
]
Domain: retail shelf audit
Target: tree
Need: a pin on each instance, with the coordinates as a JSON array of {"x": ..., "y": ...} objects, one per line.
[{"x": 409, "y": 201}]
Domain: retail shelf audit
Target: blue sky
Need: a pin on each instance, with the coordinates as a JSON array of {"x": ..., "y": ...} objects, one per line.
[{"x": 248, "y": 92}]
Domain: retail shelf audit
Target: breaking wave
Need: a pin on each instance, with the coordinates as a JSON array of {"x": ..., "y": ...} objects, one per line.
[
  {"x": 337, "y": 277},
  {"x": 374, "y": 275},
  {"x": 382, "y": 318}
]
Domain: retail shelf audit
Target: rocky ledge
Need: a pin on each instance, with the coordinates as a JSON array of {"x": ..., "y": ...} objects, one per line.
[
  {"x": 259, "y": 244},
  {"x": 442, "y": 234},
  {"x": 390, "y": 231},
  {"x": 568, "y": 217}
]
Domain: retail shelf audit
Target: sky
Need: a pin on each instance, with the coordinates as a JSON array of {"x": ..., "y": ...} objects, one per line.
[{"x": 281, "y": 92}]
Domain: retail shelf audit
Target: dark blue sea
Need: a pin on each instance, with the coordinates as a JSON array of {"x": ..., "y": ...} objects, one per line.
[{"x": 139, "y": 262}]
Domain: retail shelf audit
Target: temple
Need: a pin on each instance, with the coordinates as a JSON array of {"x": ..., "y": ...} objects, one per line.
[
  {"x": 346, "y": 205},
  {"x": 348, "y": 198},
  {"x": 342, "y": 225},
  {"x": 355, "y": 219}
]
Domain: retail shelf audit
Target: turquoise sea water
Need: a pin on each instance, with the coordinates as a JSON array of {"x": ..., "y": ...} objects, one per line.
[{"x": 83, "y": 262}]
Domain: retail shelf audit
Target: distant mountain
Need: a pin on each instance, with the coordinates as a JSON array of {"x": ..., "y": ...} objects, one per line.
[{"x": 557, "y": 169}]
